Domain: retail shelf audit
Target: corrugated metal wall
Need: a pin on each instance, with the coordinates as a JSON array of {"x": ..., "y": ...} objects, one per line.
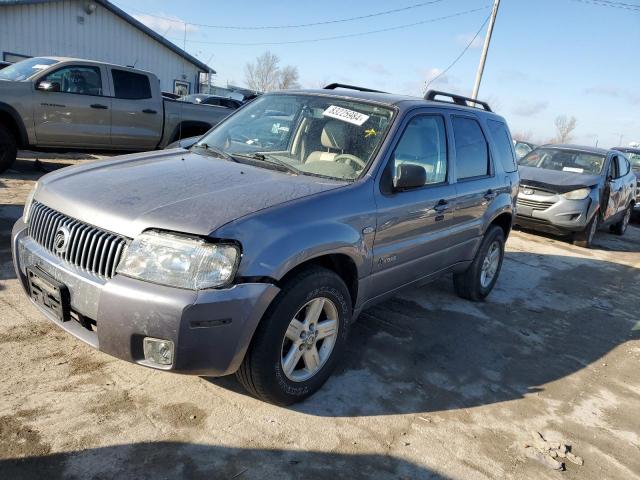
[{"x": 64, "y": 28}]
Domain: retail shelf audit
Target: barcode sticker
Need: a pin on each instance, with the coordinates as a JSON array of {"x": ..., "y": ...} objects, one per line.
[{"x": 346, "y": 115}]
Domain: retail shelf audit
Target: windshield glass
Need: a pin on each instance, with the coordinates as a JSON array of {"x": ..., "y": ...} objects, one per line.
[
  {"x": 564, "y": 160},
  {"x": 25, "y": 69},
  {"x": 634, "y": 159},
  {"x": 310, "y": 135}
]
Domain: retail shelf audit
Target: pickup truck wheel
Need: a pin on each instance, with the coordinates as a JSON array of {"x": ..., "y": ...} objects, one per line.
[
  {"x": 8, "y": 148},
  {"x": 621, "y": 227},
  {"x": 585, "y": 238},
  {"x": 299, "y": 340},
  {"x": 478, "y": 280}
]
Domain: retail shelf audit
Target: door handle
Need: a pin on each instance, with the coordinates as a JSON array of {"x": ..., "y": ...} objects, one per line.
[
  {"x": 441, "y": 206},
  {"x": 490, "y": 195},
  {"x": 148, "y": 110},
  {"x": 99, "y": 106}
]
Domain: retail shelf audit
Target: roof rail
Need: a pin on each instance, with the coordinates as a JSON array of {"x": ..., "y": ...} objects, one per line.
[
  {"x": 457, "y": 99},
  {"x": 333, "y": 86}
]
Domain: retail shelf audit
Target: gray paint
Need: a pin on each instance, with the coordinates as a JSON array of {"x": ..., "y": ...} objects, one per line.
[{"x": 281, "y": 222}]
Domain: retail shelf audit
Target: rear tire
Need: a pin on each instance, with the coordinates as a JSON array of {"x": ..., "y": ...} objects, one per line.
[
  {"x": 478, "y": 280},
  {"x": 266, "y": 372},
  {"x": 621, "y": 227},
  {"x": 8, "y": 148},
  {"x": 585, "y": 238}
]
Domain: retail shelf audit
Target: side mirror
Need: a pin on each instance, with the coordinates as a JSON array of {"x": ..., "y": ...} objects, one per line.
[
  {"x": 409, "y": 176},
  {"x": 48, "y": 86}
]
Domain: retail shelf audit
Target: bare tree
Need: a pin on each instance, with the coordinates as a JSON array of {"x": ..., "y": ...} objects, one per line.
[
  {"x": 289, "y": 78},
  {"x": 265, "y": 74},
  {"x": 523, "y": 136},
  {"x": 564, "y": 127}
]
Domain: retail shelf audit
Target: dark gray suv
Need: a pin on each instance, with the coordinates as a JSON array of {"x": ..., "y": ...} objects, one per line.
[{"x": 253, "y": 251}]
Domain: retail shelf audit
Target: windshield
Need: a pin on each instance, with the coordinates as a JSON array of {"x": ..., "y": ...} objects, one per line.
[
  {"x": 564, "y": 160},
  {"x": 25, "y": 69},
  {"x": 306, "y": 134}
]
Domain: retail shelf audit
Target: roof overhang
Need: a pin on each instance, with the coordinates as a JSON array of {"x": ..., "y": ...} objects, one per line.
[{"x": 131, "y": 20}]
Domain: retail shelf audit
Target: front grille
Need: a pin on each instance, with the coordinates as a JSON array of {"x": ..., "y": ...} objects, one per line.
[
  {"x": 94, "y": 250},
  {"x": 538, "y": 205}
]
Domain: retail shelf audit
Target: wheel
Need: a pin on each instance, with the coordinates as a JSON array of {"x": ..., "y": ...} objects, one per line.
[
  {"x": 299, "y": 340},
  {"x": 8, "y": 148},
  {"x": 478, "y": 280},
  {"x": 585, "y": 237},
  {"x": 621, "y": 227}
]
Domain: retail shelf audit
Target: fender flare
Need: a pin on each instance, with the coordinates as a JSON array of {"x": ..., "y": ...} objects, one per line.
[{"x": 13, "y": 113}]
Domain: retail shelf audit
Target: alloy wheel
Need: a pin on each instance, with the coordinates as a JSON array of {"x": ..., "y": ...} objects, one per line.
[
  {"x": 309, "y": 339},
  {"x": 490, "y": 264}
]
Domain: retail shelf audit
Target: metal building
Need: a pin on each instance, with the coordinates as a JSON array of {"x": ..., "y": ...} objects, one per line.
[{"x": 95, "y": 30}]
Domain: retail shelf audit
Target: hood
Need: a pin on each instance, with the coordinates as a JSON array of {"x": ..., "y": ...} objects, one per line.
[
  {"x": 555, "y": 180},
  {"x": 172, "y": 190}
]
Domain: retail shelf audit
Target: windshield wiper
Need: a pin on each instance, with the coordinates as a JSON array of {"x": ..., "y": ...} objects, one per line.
[
  {"x": 273, "y": 160},
  {"x": 214, "y": 151}
]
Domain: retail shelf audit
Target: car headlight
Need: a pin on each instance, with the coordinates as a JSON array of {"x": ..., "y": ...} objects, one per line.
[
  {"x": 179, "y": 261},
  {"x": 579, "y": 194},
  {"x": 28, "y": 203}
]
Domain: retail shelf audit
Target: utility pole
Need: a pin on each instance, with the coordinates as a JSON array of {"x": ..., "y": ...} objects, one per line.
[{"x": 485, "y": 49}]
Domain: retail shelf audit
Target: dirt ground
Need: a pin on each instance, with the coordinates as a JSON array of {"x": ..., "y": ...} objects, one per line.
[{"x": 432, "y": 386}]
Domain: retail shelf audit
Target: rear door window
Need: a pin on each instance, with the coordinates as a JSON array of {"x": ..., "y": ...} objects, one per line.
[
  {"x": 130, "y": 85},
  {"x": 503, "y": 145},
  {"x": 472, "y": 152}
]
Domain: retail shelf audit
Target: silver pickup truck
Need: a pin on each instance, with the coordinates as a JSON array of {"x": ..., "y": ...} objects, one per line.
[{"x": 56, "y": 102}]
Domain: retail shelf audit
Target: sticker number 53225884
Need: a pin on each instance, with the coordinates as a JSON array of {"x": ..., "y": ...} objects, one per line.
[{"x": 346, "y": 115}]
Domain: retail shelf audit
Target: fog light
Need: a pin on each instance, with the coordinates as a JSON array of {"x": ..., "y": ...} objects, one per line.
[{"x": 158, "y": 351}]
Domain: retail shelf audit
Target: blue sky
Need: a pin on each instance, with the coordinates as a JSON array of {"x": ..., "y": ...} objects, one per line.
[{"x": 547, "y": 58}]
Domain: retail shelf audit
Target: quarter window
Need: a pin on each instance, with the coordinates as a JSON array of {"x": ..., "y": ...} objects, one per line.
[
  {"x": 472, "y": 153},
  {"x": 83, "y": 80},
  {"x": 424, "y": 143},
  {"x": 503, "y": 144},
  {"x": 131, "y": 86}
]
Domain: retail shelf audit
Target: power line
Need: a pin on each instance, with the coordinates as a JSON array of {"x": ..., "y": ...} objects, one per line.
[
  {"x": 611, "y": 4},
  {"x": 348, "y": 35},
  {"x": 464, "y": 50},
  {"x": 301, "y": 25}
]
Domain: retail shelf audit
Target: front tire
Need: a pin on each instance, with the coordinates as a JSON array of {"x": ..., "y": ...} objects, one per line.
[
  {"x": 621, "y": 227},
  {"x": 8, "y": 148},
  {"x": 585, "y": 238},
  {"x": 298, "y": 342},
  {"x": 478, "y": 280}
]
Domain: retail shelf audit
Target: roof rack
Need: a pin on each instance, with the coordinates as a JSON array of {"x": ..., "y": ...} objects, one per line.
[
  {"x": 457, "y": 99},
  {"x": 333, "y": 86}
]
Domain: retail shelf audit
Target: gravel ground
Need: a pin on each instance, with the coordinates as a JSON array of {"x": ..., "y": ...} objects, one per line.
[{"x": 432, "y": 386}]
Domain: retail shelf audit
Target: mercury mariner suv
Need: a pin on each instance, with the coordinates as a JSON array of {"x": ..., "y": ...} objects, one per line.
[{"x": 254, "y": 250}]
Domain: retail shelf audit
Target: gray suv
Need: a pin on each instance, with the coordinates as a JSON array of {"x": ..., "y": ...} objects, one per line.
[
  {"x": 253, "y": 251},
  {"x": 576, "y": 190}
]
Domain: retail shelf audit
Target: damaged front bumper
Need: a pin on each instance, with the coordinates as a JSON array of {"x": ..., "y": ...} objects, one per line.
[
  {"x": 554, "y": 213},
  {"x": 210, "y": 329}
]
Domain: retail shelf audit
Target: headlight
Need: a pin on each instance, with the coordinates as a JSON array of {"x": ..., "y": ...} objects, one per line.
[
  {"x": 179, "y": 261},
  {"x": 28, "y": 203},
  {"x": 579, "y": 194}
]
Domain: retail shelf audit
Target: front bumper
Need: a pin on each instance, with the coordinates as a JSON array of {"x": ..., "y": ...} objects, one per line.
[
  {"x": 555, "y": 214},
  {"x": 211, "y": 329}
]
